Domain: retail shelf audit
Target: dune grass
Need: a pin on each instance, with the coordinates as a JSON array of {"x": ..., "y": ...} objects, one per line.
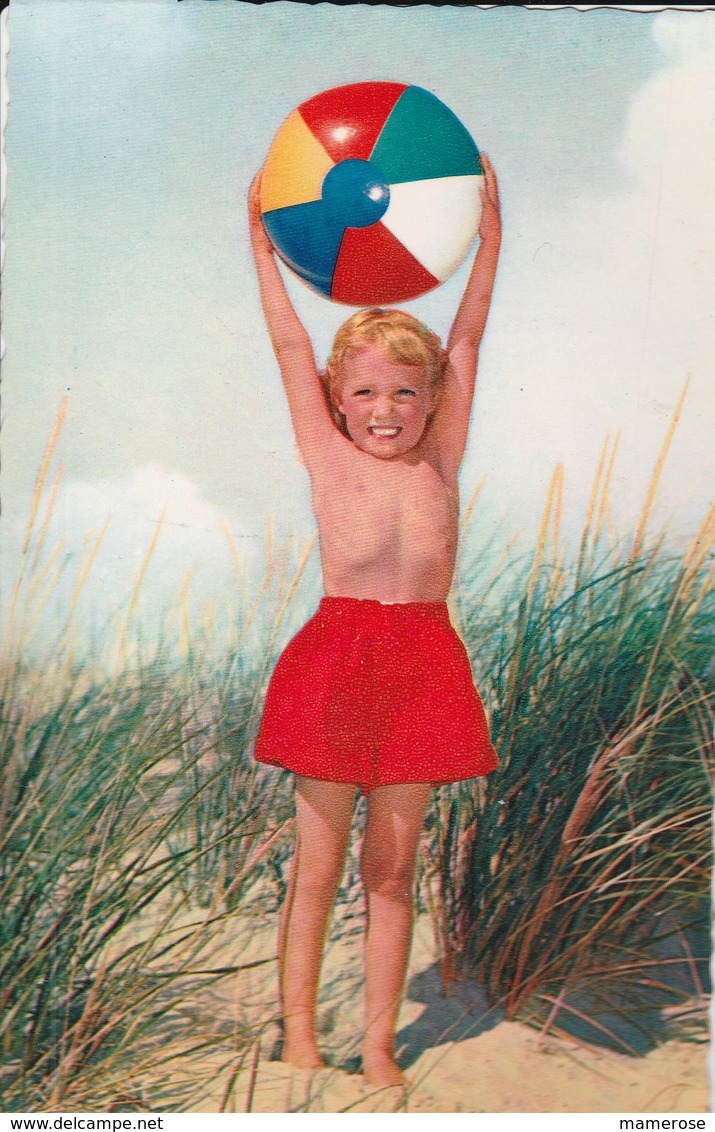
[
  {"x": 134, "y": 823},
  {"x": 584, "y": 860},
  {"x": 84, "y": 860}
]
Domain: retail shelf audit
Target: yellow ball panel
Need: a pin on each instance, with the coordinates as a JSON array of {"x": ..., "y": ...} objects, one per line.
[{"x": 295, "y": 166}]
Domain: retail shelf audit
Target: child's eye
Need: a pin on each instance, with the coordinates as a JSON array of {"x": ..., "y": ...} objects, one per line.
[
  {"x": 361, "y": 393},
  {"x": 406, "y": 393}
]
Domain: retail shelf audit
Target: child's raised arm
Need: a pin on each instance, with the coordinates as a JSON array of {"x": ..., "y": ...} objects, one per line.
[
  {"x": 311, "y": 419},
  {"x": 452, "y": 420}
]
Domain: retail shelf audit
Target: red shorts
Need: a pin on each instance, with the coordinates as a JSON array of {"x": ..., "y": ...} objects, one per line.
[{"x": 375, "y": 695}]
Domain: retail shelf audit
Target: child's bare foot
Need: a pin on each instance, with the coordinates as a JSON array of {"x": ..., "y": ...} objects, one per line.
[
  {"x": 303, "y": 1055},
  {"x": 380, "y": 1068}
]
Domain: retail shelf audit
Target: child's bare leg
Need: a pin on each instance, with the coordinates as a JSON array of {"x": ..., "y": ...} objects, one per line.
[
  {"x": 323, "y": 818},
  {"x": 396, "y": 816}
]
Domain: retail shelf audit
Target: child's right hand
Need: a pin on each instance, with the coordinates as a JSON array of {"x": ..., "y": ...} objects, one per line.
[{"x": 255, "y": 220}]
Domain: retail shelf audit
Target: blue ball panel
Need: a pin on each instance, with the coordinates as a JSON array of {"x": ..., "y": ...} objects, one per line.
[{"x": 307, "y": 238}]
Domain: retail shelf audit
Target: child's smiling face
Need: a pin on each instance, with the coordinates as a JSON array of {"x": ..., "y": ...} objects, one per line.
[{"x": 386, "y": 403}]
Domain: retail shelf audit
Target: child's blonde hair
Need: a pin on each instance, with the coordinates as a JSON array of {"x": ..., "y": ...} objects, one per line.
[{"x": 401, "y": 336}]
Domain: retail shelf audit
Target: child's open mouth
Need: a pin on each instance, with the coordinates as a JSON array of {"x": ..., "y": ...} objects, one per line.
[{"x": 386, "y": 432}]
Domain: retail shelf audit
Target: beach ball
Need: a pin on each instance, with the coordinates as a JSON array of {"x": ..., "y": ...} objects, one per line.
[{"x": 370, "y": 192}]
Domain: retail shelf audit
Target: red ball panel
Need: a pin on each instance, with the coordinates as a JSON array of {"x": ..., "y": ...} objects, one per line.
[
  {"x": 373, "y": 268},
  {"x": 348, "y": 119}
]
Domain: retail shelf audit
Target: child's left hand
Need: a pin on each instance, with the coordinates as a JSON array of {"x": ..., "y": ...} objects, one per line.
[{"x": 490, "y": 222}]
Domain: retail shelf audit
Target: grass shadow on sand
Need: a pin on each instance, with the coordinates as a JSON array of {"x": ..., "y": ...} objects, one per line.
[
  {"x": 465, "y": 1013},
  {"x": 665, "y": 997},
  {"x": 618, "y": 1015}
]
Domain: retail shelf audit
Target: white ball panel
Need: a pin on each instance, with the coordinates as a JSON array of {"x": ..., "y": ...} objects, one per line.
[{"x": 436, "y": 220}]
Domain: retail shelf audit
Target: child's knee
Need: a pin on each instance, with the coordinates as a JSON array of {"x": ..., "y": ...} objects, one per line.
[
  {"x": 385, "y": 877},
  {"x": 318, "y": 871}
]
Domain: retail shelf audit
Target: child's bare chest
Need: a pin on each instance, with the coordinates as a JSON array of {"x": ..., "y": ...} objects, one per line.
[
  {"x": 387, "y": 520},
  {"x": 401, "y": 495}
]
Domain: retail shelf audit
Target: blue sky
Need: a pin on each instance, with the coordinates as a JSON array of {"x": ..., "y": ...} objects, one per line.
[{"x": 135, "y": 127}]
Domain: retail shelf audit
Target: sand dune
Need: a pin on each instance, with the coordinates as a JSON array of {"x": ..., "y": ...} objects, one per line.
[{"x": 459, "y": 1055}]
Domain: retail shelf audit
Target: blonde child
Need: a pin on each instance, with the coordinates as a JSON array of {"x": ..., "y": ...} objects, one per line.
[{"x": 376, "y": 691}]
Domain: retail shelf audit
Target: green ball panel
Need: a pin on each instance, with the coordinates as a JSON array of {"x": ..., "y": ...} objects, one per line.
[{"x": 421, "y": 139}]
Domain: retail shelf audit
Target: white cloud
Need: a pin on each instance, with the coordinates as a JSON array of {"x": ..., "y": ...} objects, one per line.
[
  {"x": 149, "y": 505},
  {"x": 614, "y": 303},
  {"x": 150, "y": 526}
]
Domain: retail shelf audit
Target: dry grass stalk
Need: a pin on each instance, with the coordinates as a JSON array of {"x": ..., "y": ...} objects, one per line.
[{"x": 657, "y": 472}]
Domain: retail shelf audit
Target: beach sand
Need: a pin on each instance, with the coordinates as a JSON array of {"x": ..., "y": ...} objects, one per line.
[{"x": 458, "y": 1054}]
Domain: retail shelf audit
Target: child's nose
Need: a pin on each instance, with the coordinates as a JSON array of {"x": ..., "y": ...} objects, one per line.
[{"x": 383, "y": 406}]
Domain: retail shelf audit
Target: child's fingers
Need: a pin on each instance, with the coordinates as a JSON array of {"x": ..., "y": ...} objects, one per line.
[
  {"x": 490, "y": 180},
  {"x": 489, "y": 174},
  {"x": 254, "y": 200},
  {"x": 254, "y": 191}
]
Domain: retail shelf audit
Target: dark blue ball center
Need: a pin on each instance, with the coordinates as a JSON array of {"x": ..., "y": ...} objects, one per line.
[{"x": 355, "y": 193}]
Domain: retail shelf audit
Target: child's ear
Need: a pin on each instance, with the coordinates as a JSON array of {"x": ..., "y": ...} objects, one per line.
[{"x": 326, "y": 393}]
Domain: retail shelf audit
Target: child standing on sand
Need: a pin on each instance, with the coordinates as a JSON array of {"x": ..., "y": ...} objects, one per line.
[{"x": 376, "y": 691}]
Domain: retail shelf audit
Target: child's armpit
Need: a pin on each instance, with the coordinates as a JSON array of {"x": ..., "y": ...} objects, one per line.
[{"x": 461, "y": 356}]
